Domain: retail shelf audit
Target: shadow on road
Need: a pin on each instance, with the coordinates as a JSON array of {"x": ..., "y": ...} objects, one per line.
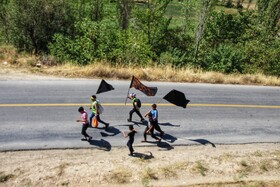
[
  {"x": 165, "y": 146},
  {"x": 140, "y": 123},
  {"x": 168, "y": 124},
  {"x": 132, "y": 123},
  {"x": 110, "y": 131},
  {"x": 168, "y": 138},
  {"x": 203, "y": 142},
  {"x": 101, "y": 144}
]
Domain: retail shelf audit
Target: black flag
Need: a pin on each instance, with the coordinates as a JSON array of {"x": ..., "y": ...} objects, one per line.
[
  {"x": 104, "y": 87},
  {"x": 177, "y": 98},
  {"x": 149, "y": 91}
]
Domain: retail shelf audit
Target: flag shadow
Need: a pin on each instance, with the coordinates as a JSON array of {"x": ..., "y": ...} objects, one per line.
[
  {"x": 143, "y": 156},
  {"x": 203, "y": 142},
  {"x": 133, "y": 123},
  {"x": 139, "y": 123},
  {"x": 110, "y": 131},
  {"x": 168, "y": 137},
  {"x": 169, "y": 124},
  {"x": 124, "y": 125},
  {"x": 102, "y": 144}
]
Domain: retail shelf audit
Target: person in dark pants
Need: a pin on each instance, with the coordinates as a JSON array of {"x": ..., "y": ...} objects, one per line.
[
  {"x": 131, "y": 135},
  {"x": 136, "y": 107},
  {"x": 150, "y": 129},
  {"x": 154, "y": 119},
  {"x": 96, "y": 111},
  {"x": 85, "y": 123}
]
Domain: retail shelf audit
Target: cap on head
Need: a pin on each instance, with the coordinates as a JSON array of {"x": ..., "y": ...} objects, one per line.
[{"x": 132, "y": 95}]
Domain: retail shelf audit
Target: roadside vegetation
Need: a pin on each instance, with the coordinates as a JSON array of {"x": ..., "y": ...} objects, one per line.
[{"x": 213, "y": 41}]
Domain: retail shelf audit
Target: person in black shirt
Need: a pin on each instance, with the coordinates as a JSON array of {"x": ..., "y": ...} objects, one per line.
[{"x": 131, "y": 138}]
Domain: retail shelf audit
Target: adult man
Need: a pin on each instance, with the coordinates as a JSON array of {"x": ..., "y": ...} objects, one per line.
[{"x": 136, "y": 107}]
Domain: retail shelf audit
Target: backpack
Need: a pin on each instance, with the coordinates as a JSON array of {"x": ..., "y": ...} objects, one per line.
[
  {"x": 138, "y": 103},
  {"x": 100, "y": 109}
]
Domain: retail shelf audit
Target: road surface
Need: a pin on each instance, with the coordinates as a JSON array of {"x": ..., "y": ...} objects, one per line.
[{"x": 41, "y": 114}]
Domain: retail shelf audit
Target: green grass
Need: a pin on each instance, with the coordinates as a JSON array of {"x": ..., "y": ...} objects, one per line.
[
  {"x": 147, "y": 176},
  {"x": 200, "y": 168},
  {"x": 5, "y": 177}
]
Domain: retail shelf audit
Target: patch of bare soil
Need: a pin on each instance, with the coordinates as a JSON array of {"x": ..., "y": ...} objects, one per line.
[
  {"x": 223, "y": 165},
  {"x": 10, "y": 73}
]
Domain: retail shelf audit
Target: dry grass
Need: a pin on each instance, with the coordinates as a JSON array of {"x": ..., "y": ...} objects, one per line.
[
  {"x": 10, "y": 60},
  {"x": 61, "y": 169},
  {"x": 226, "y": 165},
  {"x": 147, "y": 176},
  {"x": 119, "y": 175},
  {"x": 5, "y": 177},
  {"x": 200, "y": 167},
  {"x": 169, "y": 172}
]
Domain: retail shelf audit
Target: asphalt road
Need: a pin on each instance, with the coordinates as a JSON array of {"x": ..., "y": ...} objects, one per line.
[{"x": 41, "y": 114}]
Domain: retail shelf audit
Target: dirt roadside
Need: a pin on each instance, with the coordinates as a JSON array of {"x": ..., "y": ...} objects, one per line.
[
  {"x": 197, "y": 165},
  {"x": 256, "y": 165}
]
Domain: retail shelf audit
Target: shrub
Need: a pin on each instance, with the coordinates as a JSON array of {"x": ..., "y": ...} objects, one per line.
[{"x": 225, "y": 59}]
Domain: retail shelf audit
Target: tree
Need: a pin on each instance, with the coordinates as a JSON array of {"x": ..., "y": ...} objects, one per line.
[
  {"x": 125, "y": 8},
  {"x": 34, "y": 22},
  {"x": 155, "y": 19},
  {"x": 189, "y": 11},
  {"x": 269, "y": 13},
  {"x": 97, "y": 10},
  {"x": 3, "y": 20},
  {"x": 207, "y": 7}
]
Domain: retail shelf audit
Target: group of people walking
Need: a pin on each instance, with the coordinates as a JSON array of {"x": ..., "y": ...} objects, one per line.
[
  {"x": 151, "y": 124},
  {"x": 96, "y": 110}
]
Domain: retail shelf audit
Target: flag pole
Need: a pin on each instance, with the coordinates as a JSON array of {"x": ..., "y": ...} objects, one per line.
[
  {"x": 126, "y": 96},
  {"x": 129, "y": 89},
  {"x": 159, "y": 100}
]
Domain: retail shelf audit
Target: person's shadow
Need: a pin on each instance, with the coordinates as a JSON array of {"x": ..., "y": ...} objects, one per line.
[
  {"x": 168, "y": 137},
  {"x": 165, "y": 146},
  {"x": 102, "y": 144},
  {"x": 143, "y": 156},
  {"x": 168, "y": 124},
  {"x": 203, "y": 142},
  {"x": 110, "y": 131}
]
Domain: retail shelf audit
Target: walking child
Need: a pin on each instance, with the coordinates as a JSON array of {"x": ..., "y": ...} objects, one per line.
[
  {"x": 85, "y": 123},
  {"x": 150, "y": 129},
  {"x": 130, "y": 141},
  {"x": 96, "y": 111},
  {"x": 154, "y": 119},
  {"x": 136, "y": 107}
]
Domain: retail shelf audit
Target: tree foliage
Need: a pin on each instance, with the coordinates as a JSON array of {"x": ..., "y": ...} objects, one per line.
[
  {"x": 181, "y": 33},
  {"x": 269, "y": 13},
  {"x": 31, "y": 24}
]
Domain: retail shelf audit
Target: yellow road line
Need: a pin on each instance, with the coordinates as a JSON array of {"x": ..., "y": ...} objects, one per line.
[{"x": 144, "y": 104}]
